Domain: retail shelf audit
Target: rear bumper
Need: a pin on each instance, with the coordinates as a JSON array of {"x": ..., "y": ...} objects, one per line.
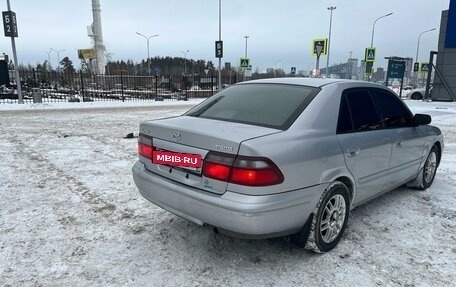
[{"x": 237, "y": 214}]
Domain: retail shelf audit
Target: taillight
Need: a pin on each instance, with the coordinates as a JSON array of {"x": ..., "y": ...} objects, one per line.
[
  {"x": 217, "y": 171},
  {"x": 218, "y": 166},
  {"x": 145, "y": 150},
  {"x": 249, "y": 171},
  {"x": 255, "y": 172}
]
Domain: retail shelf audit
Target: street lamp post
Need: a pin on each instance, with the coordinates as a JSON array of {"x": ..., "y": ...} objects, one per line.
[
  {"x": 418, "y": 45},
  {"x": 245, "y": 55},
  {"x": 58, "y": 57},
  {"x": 370, "y": 64},
  {"x": 220, "y": 39},
  {"x": 148, "y": 52},
  {"x": 185, "y": 61},
  {"x": 331, "y": 8},
  {"x": 246, "y": 37},
  {"x": 373, "y": 27},
  {"x": 417, "y": 51},
  {"x": 49, "y": 60},
  {"x": 108, "y": 61}
]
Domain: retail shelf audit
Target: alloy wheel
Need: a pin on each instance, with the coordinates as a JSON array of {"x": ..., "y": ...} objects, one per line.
[
  {"x": 430, "y": 167},
  {"x": 333, "y": 218}
]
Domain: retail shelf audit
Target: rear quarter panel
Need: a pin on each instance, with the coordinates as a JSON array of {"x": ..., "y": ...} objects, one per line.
[
  {"x": 308, "y": 153},
  {"x": 305, "y": 159}
]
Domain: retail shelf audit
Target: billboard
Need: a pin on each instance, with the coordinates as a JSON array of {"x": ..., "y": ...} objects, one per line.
[{"x": 86, "y": 53}]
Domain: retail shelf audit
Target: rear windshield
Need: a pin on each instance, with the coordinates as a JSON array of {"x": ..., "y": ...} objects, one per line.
[{"x": 269, "y": 105}]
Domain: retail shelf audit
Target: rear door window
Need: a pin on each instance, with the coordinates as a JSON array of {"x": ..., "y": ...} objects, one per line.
[
  {"x": 364, "y": 115},
  {"x": 269, "y": 105},
  {"x": 344, "y": 124}
]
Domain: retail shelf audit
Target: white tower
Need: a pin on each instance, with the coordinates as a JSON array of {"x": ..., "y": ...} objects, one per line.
[{"x": 97, "y": 35}]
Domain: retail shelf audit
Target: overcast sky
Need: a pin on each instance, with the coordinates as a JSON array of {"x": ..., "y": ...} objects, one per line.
[{"x": 281, "y": 32}]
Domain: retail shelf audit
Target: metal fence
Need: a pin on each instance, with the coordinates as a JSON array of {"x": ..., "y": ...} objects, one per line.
[{"x": 80, "y": 87}]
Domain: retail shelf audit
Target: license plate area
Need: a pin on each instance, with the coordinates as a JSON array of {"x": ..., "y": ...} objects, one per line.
[
  {"x": 186, "y": 162},
  {"x": 191, "y": 170}
]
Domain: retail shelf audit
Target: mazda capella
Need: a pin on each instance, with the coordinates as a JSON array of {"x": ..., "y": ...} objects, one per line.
[{"x": 289, "y": 156}]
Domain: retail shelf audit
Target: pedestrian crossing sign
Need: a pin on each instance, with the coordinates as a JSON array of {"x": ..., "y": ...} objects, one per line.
[
  {"x": 370, "y": 55},
  {"x": 424, "y": 67},
  {"x": 245, "y": 63},
  {"x": 319, "y": 47}
]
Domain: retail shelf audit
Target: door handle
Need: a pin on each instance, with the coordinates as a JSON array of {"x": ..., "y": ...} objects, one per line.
[{"x": 353, "y": 151}]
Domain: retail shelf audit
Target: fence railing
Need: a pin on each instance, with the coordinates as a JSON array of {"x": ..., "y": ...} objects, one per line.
[{"x": 82, "y": 87}]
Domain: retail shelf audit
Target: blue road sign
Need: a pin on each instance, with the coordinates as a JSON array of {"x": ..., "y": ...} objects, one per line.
[{"x": 396, "y": 69}]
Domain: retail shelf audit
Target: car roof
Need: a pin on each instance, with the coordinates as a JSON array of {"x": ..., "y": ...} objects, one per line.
[{"x": 310, "y": 82}]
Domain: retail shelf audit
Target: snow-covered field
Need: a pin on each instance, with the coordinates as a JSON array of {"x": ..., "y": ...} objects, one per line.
[{"x": 70, "y": 215}]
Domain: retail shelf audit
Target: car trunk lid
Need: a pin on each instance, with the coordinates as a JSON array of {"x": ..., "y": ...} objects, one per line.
[{"x": 196, "y": 136}]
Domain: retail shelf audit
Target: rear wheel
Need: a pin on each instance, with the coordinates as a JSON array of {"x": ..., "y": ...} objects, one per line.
[{"x": 329, "y": 220}]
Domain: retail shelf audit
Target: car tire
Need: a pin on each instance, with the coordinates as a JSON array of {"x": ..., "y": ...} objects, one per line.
[
  {"x": 325, "y": 227},
  {"x": 416, "y": 96},
  {"x": 430, "y": 168}
]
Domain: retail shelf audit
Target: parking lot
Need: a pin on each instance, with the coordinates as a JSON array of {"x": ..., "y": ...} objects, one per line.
[{"x": 70, "y": 215}]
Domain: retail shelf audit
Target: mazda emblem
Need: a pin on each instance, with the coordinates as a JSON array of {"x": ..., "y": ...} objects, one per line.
[{"x": 176, "y": 136}]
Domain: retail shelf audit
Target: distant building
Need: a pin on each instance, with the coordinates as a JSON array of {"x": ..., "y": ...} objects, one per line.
[
  {"x": 379, "y": 75},
  {"x": 362, "y": 71},
  {"x": 408, "y": 68},
  {"x": 337, "y": 71},
  {"x": 352, "y": 69}
]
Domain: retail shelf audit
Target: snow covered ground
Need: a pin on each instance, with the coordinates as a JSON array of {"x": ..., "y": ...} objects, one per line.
[{"x": 70, "y": 215}]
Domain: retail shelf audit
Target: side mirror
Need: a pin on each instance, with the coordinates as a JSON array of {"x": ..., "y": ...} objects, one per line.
[{"x": 421, "y": 119}]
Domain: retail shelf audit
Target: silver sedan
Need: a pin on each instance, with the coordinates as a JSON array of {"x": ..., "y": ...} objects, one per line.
[{"x": 288, "y": 156}]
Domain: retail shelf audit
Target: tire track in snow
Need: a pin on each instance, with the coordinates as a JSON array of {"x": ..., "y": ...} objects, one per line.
[{"x": 95, "y": 201}]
